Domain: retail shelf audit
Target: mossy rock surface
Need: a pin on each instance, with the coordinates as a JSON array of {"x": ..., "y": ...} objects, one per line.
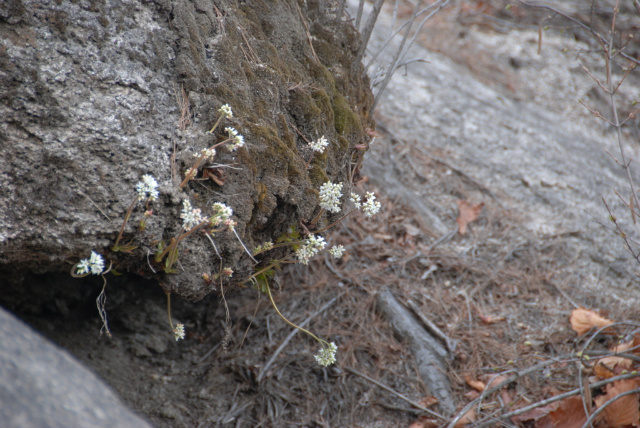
[{"x": 89, "y": 105}]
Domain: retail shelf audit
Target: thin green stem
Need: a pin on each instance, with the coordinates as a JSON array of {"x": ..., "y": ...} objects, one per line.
[
  {"x": 169, "y": 308},
  {"x": 316, "y": 218},
  {"x": 175, "y": 241},
  {"x": 286, "y": 244},
  {"x": 216, "y": 125},
  {"x": 273, "y": 303},
  {"x": 271, "y": 266}
]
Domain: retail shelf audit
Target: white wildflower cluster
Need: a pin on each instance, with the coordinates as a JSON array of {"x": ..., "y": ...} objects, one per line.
[
  {"x": 319, "y": 145},
  {"x": 93, "y": 265},
  {"x": 178, "y": 332},
  {"x": 208, "y": 154},
  {"x": 330, "y": 194},
  {"x": 371, "y": 206},
  {"x": 190, "y": 173},
  {"x": 147, "y": 188},
  {"x": 336, "y": 251},
  {"x": 238, "y": 140},
  {"x": 191, "y": 217},
  {"x": 225, "y": 111},
  {"x": 221, "y": 214},
  {"x": 309, "y": 248},
  {"x": 265, "y": 246},
  {"x": 355, "y": 198},
  {"x": 228, "y": 272},
  {"x": 327, "y": 354}
]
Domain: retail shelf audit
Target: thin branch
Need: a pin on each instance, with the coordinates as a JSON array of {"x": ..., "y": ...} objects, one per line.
[
  {"x": 402, "y": 51},
  {"x": 285, "y": 342},
  {"x": 368, "y": 29},
  {"x": 397, "y": 394},
  {"x": 591, "y": 418}
]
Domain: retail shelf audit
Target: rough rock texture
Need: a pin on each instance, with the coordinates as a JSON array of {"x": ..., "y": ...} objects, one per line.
[
  {"x": 43, "y": 386},
  {"x": 505, "y": 116},
  {"x": 91, "y": 98}
]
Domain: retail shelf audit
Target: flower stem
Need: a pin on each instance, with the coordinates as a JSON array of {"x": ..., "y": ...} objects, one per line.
[
  {"x": 169, "y": 308},
  {"x": 334, "y": 223},
  {"x": 200, "y": 160},
  {"x": 124, "y": 223},
  {"x": 273, "y": 303}
]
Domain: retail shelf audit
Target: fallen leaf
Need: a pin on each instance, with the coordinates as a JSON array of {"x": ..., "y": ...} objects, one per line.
[
  {"x": 467, "y": 214},
  {"x": 624, "y": 411},
  {"x": 425, "y": 422},
  {"x": 411, "y": 229},
  {"x": 487, "y": 319},
  {"x": 475, "y": 384},
  {"x": 583, "y": 320},
  {"x": 534, "y": 414},
  {"x": 632, "y": 346},
  {"x": 569, "y": 414},
  {"x": 428, "y": 401},
  {"x": 611, "y": 366},
  {"x": 492, "y": 380},
  {"x": 467, "y": 418}
]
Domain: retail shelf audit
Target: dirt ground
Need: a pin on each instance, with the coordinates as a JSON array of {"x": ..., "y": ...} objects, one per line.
[{"x": 502, "y": 293}]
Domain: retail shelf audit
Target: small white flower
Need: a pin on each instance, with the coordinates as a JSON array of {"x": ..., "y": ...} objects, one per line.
[
  {"x": 319, "y": 145},
  {"x": 147, "y": 188},
  {"x": 221, "y": 213},
  {"x": 93, "y": 265},
  {"x": 330, "y": 194},
  {"x": 355, "y": 198},
  {"x": 238, "y": 140},
  {"x": 191, "y": 217},
  {"x": 178, "y": 332},
  {"x": 327, "y": 354},
  {"x": 266, "y": 246},
  {"x": 371, "y": 207},
  {"x": 309, "y": 248},
  {"x": 208, "y": 154},
  {"x": 231, "y": 224},
  {"x": 337, "y": 251},
  {"x": 225, "y": 111}
]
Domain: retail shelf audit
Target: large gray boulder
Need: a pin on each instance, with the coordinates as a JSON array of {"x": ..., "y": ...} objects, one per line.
[
  {"x": 95, "y": 95},
  {"x": 42, "y": 386}
]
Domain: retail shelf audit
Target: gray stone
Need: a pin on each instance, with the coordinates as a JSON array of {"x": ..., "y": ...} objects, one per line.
[{"x": 42, "y": 386}]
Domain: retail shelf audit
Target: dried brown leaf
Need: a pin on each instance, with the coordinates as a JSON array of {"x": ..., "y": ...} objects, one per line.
[
  {"x": 624, "y": 411},
  {"x": 611, "y": 366},
  {"x": 425, "y": 422},
  {"x": 467, "y": 418},
  {"x": 428, "y": 401},
  {"x": 466, "y": 214},
  {"x": 488, "y": 319},
  {"x": 534, "y": 415},
  {"x": 475, "y": 384},
  {"x": 583, "y": 320},
  {"x": 569, "y": 414}
]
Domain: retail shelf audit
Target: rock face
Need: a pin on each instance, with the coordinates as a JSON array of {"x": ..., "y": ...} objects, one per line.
[
  {"x": 518, "y": 135},
  {"x": 43, "y": 386},
  {"x": 95, "y": 94}
]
